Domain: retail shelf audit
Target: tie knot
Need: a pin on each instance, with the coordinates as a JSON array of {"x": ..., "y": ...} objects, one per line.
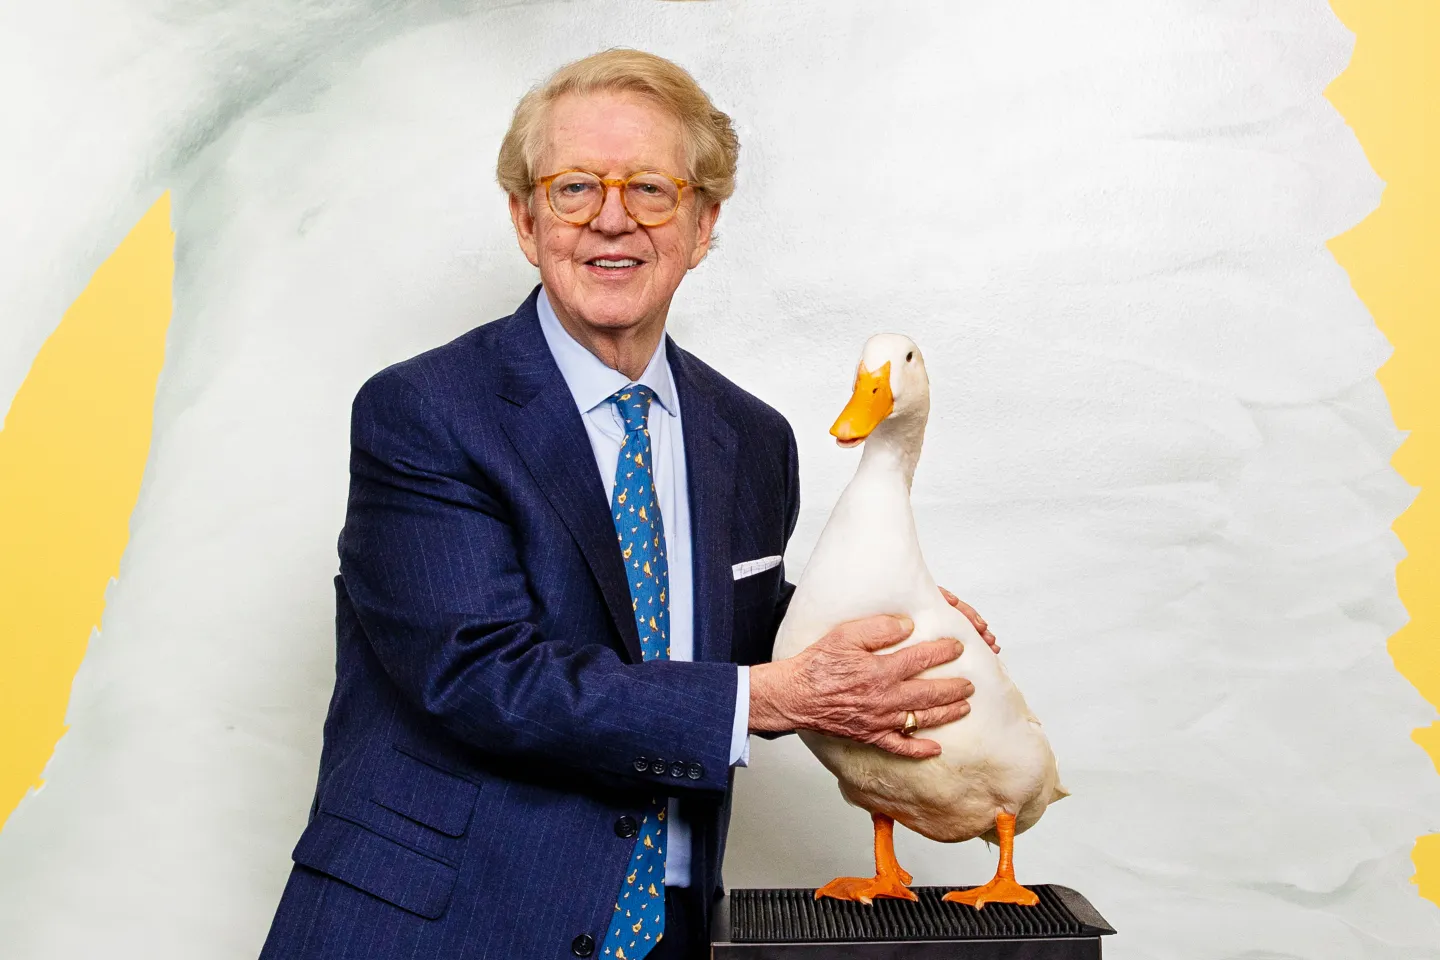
[{"x": 634, "y": 405}]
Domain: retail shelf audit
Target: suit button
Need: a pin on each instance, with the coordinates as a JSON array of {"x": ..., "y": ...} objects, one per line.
[
  {"x": 583, "y": 945},
  {"x": 695, "y": 771},
  {"x": 642, "y": 764},
  {"x": 677, "y": 769},
  {"x": 657, "y": 766},
  {"x": 626, "y": 827}
]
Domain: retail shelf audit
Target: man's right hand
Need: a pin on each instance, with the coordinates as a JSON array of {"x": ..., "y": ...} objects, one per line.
[{"x": 842, "y": 687}]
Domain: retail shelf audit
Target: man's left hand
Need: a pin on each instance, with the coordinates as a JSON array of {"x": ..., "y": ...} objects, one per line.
[{"x": 976, "y": 621}]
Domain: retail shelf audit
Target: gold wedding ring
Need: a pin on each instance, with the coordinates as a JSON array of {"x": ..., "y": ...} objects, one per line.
[{"x": 911, "y": 724}]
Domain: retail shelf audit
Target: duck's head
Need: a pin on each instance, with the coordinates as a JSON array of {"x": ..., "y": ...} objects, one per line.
[{"x": 890, "y": 385}]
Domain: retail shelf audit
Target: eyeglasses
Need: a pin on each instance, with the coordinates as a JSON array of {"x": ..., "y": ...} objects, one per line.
[{"x": 578, "y": 196}]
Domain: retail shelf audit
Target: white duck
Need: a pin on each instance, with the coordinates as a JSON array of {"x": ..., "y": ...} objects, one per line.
[{"x": 996, "y": 773}]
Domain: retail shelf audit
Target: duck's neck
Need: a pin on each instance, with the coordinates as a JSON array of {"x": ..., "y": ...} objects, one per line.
[{"x": 894, "y": 447}]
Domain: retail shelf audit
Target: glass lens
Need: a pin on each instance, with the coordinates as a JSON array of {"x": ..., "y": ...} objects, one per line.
[
  {"x": 576, "y": 196},
  {"x": 651, "y": 198}
]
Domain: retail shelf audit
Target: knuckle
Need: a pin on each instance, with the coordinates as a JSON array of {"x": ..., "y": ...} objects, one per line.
[
  {"x": 882, "y": 624},
  {"x": 909, "y": 661},
  {"x": 872, "y": 632},
  {"x": 938, "y": 694},
  {"x": 935, "y": 695},
  {"x": 933, "y": 653}
]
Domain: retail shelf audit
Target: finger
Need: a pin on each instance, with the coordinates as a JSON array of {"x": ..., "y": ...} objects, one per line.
[
  {"x": 989, "y": 638},
  {"x": 923, "y": 694},
  {"x": 971, "y": 614},
  {"x": 914, "y": 747},
  {"x": 876, "y": 633},
  {"x": 923, "y": 656},
  {"x": 939, "y": 716}
]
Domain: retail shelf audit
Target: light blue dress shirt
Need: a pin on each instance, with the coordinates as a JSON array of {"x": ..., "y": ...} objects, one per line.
[{"x": 592, "y": 384}]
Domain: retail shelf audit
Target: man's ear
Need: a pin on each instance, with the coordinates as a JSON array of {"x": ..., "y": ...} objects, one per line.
[
  {"x": 705, "y": 231},
  {"x": 524, "y": 222}
]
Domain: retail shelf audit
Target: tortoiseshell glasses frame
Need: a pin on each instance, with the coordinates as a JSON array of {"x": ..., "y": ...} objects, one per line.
[{"x": 646, "y": 196}]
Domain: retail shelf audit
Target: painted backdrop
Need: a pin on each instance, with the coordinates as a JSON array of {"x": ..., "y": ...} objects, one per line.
[{"x": 1159, "y": 456}]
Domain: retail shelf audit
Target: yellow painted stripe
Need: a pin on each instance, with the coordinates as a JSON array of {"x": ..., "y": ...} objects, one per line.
[
  {"x": 72, "y": 453},
  {"x": 1388, "y": 96}
]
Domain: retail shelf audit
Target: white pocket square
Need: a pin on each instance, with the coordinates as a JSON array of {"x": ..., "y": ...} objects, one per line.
[{"x": 751, "y": 567}]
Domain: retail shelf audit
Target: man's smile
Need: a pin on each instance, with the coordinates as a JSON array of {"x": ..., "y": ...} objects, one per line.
[{"x": 613, "y": 266}]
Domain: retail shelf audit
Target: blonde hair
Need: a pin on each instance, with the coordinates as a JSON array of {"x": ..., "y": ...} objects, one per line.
[{"x": 711, "y": 147}]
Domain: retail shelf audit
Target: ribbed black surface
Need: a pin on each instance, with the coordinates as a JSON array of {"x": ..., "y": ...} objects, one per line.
[{"x": 795, "y": 916}]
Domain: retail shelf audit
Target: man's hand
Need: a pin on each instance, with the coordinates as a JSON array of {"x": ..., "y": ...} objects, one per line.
[
  {"x": 976, "y": 621},
  {"x": 840, "y": 686}
]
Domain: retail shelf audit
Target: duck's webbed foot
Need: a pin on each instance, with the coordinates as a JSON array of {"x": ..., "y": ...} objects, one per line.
[
  {"x": 1003, "y": 888},
  {"x": 998, "y": 890},
  {"x": 866, "y": 889},
  {"x": 890, "y": 879}
]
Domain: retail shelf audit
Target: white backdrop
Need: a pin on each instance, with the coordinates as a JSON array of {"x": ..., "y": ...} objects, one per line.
[{"x": 1157, "y": 463}]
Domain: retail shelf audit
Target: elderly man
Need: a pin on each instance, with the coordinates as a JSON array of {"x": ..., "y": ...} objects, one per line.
[{"x": 564, "y": 533}]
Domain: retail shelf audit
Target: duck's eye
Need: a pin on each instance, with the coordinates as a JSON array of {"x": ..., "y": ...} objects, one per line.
[
  {"x": 875, "y": 390},
  {"x": 910, "y": 356}
]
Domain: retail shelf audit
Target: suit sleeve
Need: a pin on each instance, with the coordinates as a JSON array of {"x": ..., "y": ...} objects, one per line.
[
  {"x": 792, "y": 516},
  {"x": 433, "y": 569},
  {"x": 787, "y": 589}
]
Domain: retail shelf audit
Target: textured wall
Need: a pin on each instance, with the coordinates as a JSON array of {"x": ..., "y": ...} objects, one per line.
[{"x": 1158, "y": 458}]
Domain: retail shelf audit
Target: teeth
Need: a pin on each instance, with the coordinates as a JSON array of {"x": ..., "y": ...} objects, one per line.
[{"x": 616, "y": 263}]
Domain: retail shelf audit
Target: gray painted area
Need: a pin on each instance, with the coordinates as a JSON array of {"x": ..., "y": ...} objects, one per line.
[{"x": 1157, "y": 461}]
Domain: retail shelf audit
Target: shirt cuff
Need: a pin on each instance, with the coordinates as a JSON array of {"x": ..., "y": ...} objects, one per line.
[{"x": 740, "y": 732}]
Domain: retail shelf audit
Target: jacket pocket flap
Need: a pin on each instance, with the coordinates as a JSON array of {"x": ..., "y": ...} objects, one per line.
[
  {"x": 424, "y": 794},
  {"x": 350, "y": 853}
]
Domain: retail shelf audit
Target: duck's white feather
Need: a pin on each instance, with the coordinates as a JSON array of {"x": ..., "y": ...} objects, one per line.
[{"x": 868, "y": 561}]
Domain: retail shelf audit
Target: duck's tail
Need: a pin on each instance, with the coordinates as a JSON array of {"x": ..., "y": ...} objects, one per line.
[{"x": 1059, "y": 793}]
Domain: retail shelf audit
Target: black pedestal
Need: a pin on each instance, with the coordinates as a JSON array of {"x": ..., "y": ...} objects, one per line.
[{"x": 792, "y": 925}]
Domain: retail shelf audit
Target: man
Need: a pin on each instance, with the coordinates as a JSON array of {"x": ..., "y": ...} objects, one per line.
[{"x": 564, "y": 533}]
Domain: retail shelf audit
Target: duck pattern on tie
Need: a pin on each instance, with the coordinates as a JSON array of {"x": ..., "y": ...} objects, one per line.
[{"x": 639, "y": 918}]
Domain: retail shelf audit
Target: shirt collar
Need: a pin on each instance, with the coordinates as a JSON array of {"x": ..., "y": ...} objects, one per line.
[{"x": 592, "y": 383}]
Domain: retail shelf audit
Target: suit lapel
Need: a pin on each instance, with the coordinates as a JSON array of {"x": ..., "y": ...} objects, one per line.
[
  {"x": 710, "y": 467},
  {"x": 546, "y": 430}
]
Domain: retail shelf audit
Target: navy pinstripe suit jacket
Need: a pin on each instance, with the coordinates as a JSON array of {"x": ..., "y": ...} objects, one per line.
[{"x": 492, "y": 720}]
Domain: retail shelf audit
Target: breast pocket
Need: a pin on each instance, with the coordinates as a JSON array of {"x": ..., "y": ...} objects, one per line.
[
  {"x": 753, "y": 623},
  {"x": 756, "y": 587}
]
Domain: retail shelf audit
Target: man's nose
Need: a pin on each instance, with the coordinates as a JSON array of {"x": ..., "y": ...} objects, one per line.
[{"x": 613, "y": 217}]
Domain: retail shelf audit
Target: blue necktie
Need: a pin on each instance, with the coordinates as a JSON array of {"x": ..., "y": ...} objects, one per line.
[{"x": 639, "y": 917}]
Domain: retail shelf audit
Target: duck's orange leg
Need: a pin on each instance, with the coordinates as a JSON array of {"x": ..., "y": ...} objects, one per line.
[
  {"x": 1003, "y": 889},
  {"x": 889, "y": 880}
]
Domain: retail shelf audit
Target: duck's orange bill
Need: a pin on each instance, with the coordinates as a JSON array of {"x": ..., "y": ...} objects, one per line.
[{"x": 869, "y": 404}]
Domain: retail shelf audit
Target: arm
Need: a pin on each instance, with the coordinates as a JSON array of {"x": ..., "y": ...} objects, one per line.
[{"x": 430, "y": 562}]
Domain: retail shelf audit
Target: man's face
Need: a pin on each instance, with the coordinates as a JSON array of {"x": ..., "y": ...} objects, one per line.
[{"x": 612, "y": 135}]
